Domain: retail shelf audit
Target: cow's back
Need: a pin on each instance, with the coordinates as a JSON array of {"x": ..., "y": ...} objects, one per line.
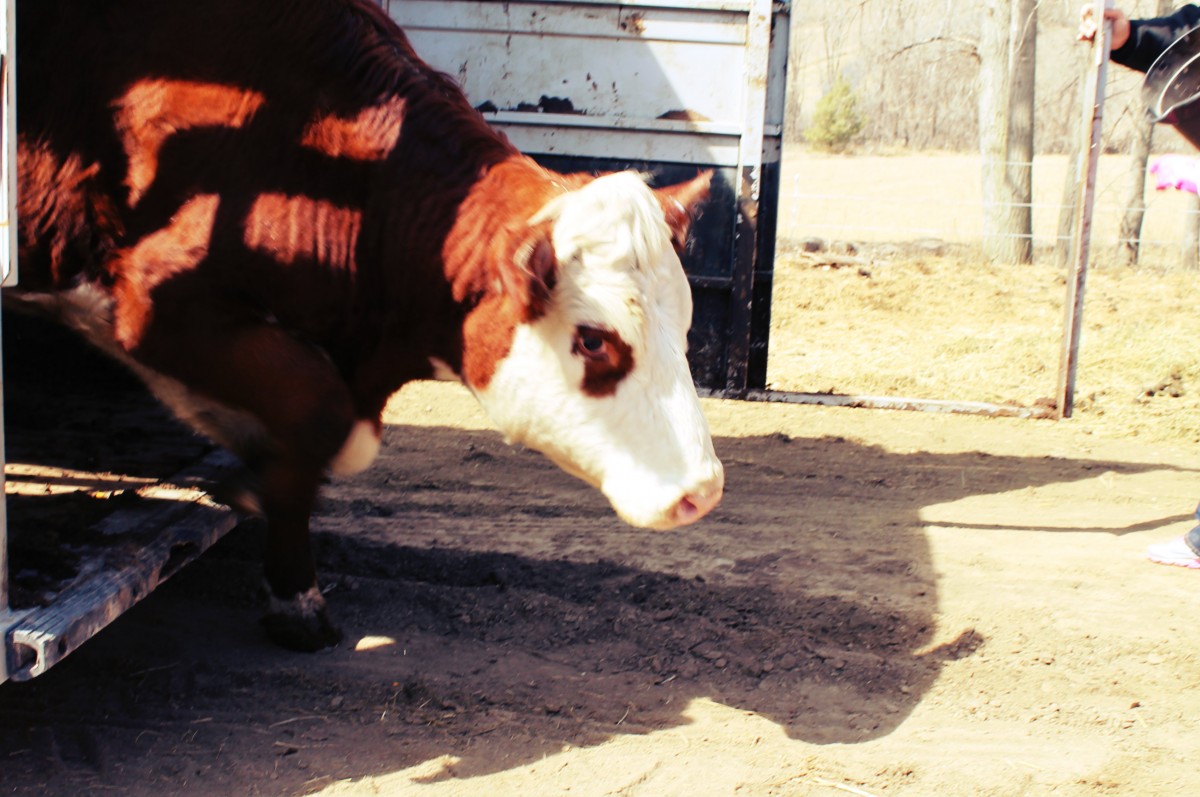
[
  {"x": 129, "y": 110},
  {"x": 82, "y": 55}
]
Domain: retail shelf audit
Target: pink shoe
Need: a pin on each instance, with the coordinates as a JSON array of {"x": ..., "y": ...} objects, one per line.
[{"x": 1175, "y": 552}]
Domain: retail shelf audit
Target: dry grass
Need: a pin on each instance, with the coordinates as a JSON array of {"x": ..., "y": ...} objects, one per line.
[
  {"x": 952, "y": 327},
  {"x": 948, "y": 327}
]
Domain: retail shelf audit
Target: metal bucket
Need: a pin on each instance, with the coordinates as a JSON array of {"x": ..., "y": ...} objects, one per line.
[{"x": 1171, "y": 89}]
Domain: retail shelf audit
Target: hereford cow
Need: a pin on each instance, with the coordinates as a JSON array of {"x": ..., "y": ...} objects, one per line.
[{"x": 277, "y": 214}]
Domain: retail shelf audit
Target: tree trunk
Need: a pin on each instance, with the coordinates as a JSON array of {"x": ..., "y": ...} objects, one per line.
[
  {"x": 1022, "y": 62},
  {"x": 1190, "y": 256},
  {"x": 1007, "y": 50},
  {"x": 1129, "y": 238},
  {"x": 993, "y": 124}
]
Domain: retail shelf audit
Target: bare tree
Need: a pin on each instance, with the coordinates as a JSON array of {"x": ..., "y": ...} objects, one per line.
[
  {"x": 1007, "y": 39},
  {"x": 919, "y": 67},
  {"x": 1022, "y": 65},
  {"x": 827, "y": 53},
  {"x": 1189, "y": 256},
  {"x": 1066, "y": 208},
  {"x": 1134, "y": 200},
  {"x": 1129, "y": 237}
]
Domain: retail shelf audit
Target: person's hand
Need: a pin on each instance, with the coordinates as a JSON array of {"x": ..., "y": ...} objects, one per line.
[
  {"x": 1177, "y": 171},
  {"x": 1120, "y": 25}
]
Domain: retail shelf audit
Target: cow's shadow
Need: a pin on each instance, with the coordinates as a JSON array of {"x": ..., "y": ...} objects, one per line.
[{"x": 495, "y": 611}]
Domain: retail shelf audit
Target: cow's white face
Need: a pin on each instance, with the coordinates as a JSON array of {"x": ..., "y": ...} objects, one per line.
[{"x": 598, "y": 380}]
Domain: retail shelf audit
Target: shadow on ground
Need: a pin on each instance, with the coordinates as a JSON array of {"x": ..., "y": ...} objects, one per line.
[{"x": 496, "y": 611}]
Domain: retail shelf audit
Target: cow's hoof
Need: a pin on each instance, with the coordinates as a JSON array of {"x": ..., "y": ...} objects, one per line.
[{"x": 302, "y": 623}]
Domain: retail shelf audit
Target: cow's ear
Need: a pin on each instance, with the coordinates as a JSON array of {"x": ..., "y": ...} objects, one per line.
[
  {"x": 681, "y": 204},
  {"x": 530, "y": 271}
]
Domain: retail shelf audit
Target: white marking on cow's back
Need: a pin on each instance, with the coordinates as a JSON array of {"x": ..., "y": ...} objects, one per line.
[{"x": 359, "y": 450}]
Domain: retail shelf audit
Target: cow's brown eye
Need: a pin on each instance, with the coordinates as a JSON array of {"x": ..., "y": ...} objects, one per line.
[
  {"x": 590, "y": 343},
  {"x": 606, "y": 359}
]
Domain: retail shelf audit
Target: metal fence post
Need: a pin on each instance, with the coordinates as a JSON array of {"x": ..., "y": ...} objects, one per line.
[{"x": 1093, "y": 116}]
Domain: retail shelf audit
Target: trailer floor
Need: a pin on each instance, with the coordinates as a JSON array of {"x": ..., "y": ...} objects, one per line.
[{"x": 82, "y": 437}]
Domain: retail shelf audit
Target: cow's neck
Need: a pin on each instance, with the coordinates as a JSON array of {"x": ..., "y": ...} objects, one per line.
[
  {"x": 427, "y": 298},
  {"x": 502, "y": 200},
  {"x": 491, "y": 222}
]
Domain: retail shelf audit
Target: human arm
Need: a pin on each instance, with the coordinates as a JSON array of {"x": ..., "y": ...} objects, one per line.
[{"x": 1136, "y": 43}]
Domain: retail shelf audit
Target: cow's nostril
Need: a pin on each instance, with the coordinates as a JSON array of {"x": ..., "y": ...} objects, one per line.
[
  {"x": 686, "y": 511},
  {"x": 694, "y": 506}
]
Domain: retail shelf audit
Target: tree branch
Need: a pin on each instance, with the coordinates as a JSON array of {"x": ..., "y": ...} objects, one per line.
[{"x": 971, "y": 48}]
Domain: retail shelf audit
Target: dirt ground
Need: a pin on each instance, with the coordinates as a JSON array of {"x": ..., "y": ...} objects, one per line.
[{"x": 886, "y": 603}]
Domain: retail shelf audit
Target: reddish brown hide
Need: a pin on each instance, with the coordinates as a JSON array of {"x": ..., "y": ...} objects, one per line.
[{"x": 278, "y": 214}]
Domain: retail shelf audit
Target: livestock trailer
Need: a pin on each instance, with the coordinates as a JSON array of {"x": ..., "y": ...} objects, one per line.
[{"x": 667, "y": 87}]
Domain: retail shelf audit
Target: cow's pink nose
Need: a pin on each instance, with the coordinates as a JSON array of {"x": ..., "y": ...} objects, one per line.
[{"x": 696, "y": 505}]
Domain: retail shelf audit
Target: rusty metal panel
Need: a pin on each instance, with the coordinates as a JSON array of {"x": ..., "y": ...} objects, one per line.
[
  {"x": 664, "y": 86},
  {"x": 611, "y": 62},
  {"x": 662, "y": 141}
]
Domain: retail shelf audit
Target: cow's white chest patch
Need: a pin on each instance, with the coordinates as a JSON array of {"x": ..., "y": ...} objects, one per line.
[
  {"x": 442, "y": 371},
  {"x": 359, "y": 450}
]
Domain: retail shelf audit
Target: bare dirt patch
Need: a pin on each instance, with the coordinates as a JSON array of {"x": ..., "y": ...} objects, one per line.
[{"x": 885, "y": 603}]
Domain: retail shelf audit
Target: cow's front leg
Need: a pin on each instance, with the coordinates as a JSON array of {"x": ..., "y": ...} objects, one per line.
[
  {"x": 296, "y": 617},
  {"x": 305, "y": 411}
]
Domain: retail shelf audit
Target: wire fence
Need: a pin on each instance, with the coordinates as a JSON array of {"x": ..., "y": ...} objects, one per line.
[
  {"x": 875, "y": 311},
  {"x": 920, "y": 197},
  {"x": 898, "y": 322}
]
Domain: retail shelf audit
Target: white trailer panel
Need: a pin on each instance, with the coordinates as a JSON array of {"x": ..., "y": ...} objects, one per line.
[{"x": 667, "y": 87}]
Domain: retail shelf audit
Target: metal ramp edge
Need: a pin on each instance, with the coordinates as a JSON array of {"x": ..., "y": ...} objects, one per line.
[{"x": 184, "y": 521}]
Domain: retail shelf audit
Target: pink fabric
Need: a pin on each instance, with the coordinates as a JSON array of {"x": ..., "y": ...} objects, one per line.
[{"x": 1177, "y": 171}]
